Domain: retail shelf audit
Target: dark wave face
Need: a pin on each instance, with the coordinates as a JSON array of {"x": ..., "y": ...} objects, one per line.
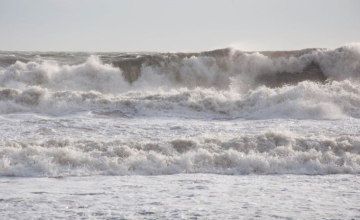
[
  {"x": 309, "y": 83},
  {"x": 223, "y": 59}
]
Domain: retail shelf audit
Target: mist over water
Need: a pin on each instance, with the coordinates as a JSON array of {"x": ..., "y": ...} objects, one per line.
[{"x": 100, "y": 113}]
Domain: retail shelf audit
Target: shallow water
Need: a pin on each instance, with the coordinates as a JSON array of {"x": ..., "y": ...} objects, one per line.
[{"x": 183, "y": 196}]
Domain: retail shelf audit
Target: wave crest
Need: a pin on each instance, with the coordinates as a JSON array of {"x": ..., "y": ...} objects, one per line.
[
  {"x": 314, "y": 83},
  {"x": 333, "y": 100}
]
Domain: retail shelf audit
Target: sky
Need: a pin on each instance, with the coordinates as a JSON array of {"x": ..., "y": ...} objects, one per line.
[{"x": 170, "y": 26}]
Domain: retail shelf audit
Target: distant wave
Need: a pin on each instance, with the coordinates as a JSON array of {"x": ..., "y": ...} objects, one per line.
[
  {"x": 311, "y": 83},
  {"x": 271, "y": 68}
]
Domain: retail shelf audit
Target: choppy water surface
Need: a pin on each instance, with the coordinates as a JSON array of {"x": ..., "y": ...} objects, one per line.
[{"x": 105, "y": 120}]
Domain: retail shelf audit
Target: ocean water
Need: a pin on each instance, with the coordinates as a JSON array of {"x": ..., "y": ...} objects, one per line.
[{"x": 218, "y": 134}]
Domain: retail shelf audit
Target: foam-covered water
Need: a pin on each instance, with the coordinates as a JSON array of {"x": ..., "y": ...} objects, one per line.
[
  {"x": 184, "y": 196},
  {"x": 319, "y": 84},
  {"x": 77, "y": 146},
  {"x": 224, "y": 112}
]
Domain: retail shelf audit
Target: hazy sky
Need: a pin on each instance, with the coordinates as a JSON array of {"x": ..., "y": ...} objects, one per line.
[{"x": 169, "y": 25}]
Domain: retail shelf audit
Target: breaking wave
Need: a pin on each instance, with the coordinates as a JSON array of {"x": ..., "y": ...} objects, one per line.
[
  {"x": 305, "y": 100},
  {"x": 312, "y": 83},
  {"x": 273, "y": 152},
  {"x": 220, "y": 84}
]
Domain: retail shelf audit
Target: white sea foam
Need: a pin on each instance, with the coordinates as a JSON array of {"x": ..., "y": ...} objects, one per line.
[
  {"x": 91, "y": 110},
  {"x": 234, "y": 86},
  {"x": 273, "y": 152},
  {"x": 304, "y": 100},
  {"x": 236, "y": 69}
]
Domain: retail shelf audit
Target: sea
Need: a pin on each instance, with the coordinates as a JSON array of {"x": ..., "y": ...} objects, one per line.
[{"x": 221, "y": 134}]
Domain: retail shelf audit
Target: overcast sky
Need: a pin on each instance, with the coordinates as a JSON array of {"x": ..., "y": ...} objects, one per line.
[{"x": 169, "y": 25}]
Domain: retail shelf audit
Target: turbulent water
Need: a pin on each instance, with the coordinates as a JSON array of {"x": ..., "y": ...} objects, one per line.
[
  {"x": 224, "y": 111},
  {"x": 84, "y": 117}
]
